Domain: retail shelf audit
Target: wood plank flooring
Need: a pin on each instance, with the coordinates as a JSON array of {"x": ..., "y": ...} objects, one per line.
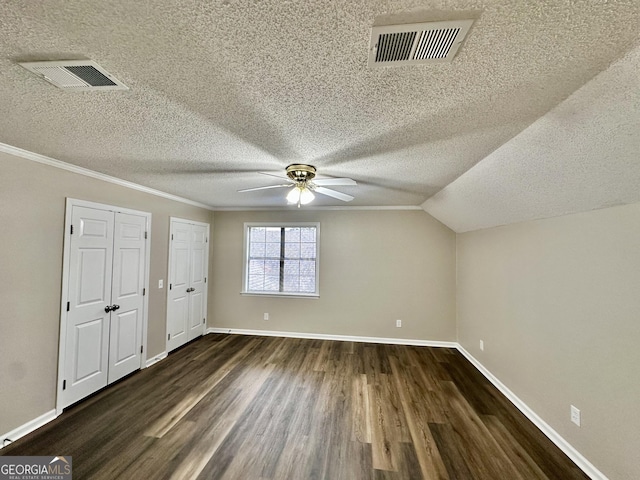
[{"x": 241, "y": 407}]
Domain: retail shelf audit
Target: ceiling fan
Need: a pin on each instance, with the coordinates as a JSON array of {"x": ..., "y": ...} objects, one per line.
[{"x": 302, "y": 182}]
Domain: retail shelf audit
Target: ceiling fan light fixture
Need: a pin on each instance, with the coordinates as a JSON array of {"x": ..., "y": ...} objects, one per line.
[
  {"x": 294, "y": 195},
  {"x": 301, "y": 195},
  {"x": 306, "y": 196}
]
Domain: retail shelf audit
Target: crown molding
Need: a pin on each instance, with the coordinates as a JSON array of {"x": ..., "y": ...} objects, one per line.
[
  {"x": 293, "y": 208},
  {"x": 52, "y": 162}
]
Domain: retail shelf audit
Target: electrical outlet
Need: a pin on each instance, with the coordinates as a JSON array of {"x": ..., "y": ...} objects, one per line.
[
  {"x": 482, "y": 345},
  {"x": 575, "y": 415},
  {"x": 160, "y": 283},
  {"x": 266, "y": 316},
  {"x": 398, "y": 323}
]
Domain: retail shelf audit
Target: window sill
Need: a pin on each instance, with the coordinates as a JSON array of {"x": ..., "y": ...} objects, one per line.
[{"x": 281, "y": 295}]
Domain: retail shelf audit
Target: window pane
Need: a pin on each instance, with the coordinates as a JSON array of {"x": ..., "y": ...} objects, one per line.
[
  {"x": 291, "y": 267},
  {"x": 257, "y": 234},
  {"x": 273, "y": 234},
  {"x": 292, "y": 234},
  {"x": 308, "y": 234},
  {"x": 291, "y": 250},
  {"x": 273, "y": 250},
  {"x": 291, "y": 283},
  {"x": 308, "y": 284},
  {"x": 256, "y": 267},
  {"x": 272, "y": 268},
  {"x": 256, "y": 282},
  {"x": 271, "y": 284},
  {"x": 307, "y": 250},
  {"x": 308, "y": 268},
  {"x": 281, "y": 259},
  {"x": 256, "y": 250}
]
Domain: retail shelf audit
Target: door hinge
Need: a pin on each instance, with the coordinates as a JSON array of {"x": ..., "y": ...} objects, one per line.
[
  {"x": 145, "y": 234},
  {"x": 172, "y": 236},
  {"x": 141, "y": 348},
  {"x": 64, "y": 384},
  {"x": 170, "y": 286},
  {"x": 205, "y": 279},
  {"x": 203, "y": 320},
  {"x": 144, "y": 292},
  {"x": 68, "y": 305},
  {"x": 168, "y": 336},
  {"x": 71, "y": 229},
  {"x": 207, "y": 240}
]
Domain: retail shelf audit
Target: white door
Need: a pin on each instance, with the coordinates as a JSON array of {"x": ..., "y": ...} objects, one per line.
[
  {"x": 187, "y": 296},
  {"x": 178, "y": 306},
  {"x": 103, "y": 319},
  {"x": 89, "y": 293},
  {"x": 129, "y": 253},
  {"x": 198, "y": 272}
]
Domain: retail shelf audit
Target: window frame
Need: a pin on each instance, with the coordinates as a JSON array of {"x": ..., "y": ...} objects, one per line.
[{"x": 245, "y": 260}]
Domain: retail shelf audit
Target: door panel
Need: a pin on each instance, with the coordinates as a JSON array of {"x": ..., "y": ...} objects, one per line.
[
  {"x": 129, "y": 253},
  {"x": 89, "y": 283},
  {"x": 198, "y": 269},
  {"x": 178, "y": 313},
  {"x": 131, "y": 262},
  {"x": 180, "y": 270},
  {"x": 124, "y": 329},
  {"x": 178, "y": 297},
  {"x": 89, "y": 343},
  {"x": 92, "y": 273},
  {"x": 187, "y": 278}
]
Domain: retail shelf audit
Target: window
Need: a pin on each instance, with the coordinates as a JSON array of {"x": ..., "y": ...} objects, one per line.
[{"x": 281, "y": 259}]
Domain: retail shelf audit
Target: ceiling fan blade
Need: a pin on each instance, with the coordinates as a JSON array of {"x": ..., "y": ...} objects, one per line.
[
  {"x": 264, "y": 188},
  {"x": 332, "y": 193},
  {"x": 334, "y": 181},
  {"x": 277, "y": 176}
]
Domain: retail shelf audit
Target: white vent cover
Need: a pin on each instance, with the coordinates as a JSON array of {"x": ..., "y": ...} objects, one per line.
[
  {"x": 416, "y": 43},
  {"x": 75, "y": 75}
]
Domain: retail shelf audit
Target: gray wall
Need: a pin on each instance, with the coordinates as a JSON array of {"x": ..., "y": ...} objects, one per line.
[
  {"x": 32, "y": 209},
  {"x": 557, "y": 303},
  {"x": 375, "y": 267}
]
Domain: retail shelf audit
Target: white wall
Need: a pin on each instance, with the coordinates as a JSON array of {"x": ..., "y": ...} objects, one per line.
[
  {"x": 375, "y": 267},
  {"x": 557, "y": 303}
]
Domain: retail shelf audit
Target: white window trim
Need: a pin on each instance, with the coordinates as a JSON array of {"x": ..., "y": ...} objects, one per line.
[{"x": 245, "y": 258}]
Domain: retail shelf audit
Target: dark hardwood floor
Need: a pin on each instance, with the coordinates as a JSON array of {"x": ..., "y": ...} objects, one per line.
[{"x": 240, "y": 407}]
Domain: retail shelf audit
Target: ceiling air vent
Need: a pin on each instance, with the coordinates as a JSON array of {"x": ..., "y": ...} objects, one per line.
[
  {"x": 416, "y": 43},
  {"x": 75, "y": 75}
]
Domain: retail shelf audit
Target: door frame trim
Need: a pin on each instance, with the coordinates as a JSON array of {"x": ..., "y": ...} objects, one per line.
[
  {"x": 206, "y": 290},
  {"x": 74, "y": 202}
]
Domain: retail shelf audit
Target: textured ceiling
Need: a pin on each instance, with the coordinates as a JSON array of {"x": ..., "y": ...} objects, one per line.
[
  {"x": 582, "y": 155},
  {"x": 222, "y": 89}
]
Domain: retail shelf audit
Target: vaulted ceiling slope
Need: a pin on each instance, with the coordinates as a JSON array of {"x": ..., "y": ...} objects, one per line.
[
  {"x": 222, "y": 89},
  {"x": 582, "y": 155}
]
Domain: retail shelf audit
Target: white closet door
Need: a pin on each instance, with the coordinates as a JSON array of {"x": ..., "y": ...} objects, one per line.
[
  {"x": 198, "y": 271},
  {"x": 87, "y": 332},
  {"x": 178, "y": 302},
  {"x": 129, "y": 253}
]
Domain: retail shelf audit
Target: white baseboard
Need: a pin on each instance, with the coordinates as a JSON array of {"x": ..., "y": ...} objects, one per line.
[
  {"x": 340, "y": 338},
  {"x": 585, "y": 465},
  {"x": 156, "y": 359},
  {"x": 28, "y": 427}
]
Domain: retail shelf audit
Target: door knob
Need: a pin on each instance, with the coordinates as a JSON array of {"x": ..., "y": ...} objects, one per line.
[
  {"x": 190, "y": 289},
  {"x": 107, "y": 308},
  {"x": 115, "y": 307}
]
